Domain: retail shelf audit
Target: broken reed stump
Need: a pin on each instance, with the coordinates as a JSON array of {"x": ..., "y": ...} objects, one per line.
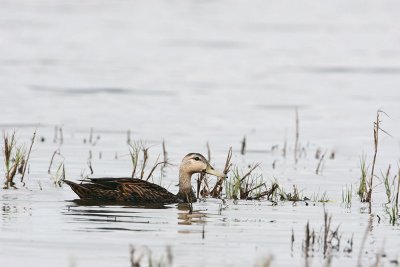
[
  {"x": 243, "y": 148},
  {"x": 165, "y": 154}
]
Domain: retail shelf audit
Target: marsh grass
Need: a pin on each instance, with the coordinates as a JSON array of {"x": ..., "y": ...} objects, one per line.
[
  {"x": 392, "y": 207},
  {"x": 389, "y": 185},
  {"x": 134, "y": 150},
  {"x": 320, "y": 197},
  {"x": 56, "y": 152},
  {"x": 347, "y": 195},
  {"x": 59, "y": 175},
  {"x": 16, "y": 159},
  {"x": 244, "y": 185},
  {"x": 362, "y": 188},
  {"x": 217, "y": 189},
  {"x": 327, "y": 241},
  {"x": 367, "y": 181},
  {"x": 25, "y": 162},
  {"x": 139, "y": 170},
  {"x": 294, "y": 195}
]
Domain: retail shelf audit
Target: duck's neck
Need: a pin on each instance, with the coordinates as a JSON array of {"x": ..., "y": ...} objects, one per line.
[{"x": 185, "y": 185}]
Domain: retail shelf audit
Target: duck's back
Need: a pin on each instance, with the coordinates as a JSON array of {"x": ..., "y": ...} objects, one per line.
[{"x": 131, "y": 190}]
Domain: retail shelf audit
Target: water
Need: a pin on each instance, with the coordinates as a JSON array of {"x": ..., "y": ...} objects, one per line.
[{"x": 189, "y": 73}]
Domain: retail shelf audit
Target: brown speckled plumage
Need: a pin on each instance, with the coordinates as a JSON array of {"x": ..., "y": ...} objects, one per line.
[
  {"x": 123, "y": 190},
  {"x": 139, "y": 191}
]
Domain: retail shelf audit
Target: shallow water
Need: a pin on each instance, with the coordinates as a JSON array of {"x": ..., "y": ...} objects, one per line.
[{"x": 190, "y": 73}]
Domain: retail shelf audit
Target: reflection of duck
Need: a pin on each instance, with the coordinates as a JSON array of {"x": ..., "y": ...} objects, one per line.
[{"x": 140, "y": 191}]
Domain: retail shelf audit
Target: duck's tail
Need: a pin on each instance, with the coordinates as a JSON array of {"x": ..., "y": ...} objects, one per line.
[{"x": 79, "y": 189}]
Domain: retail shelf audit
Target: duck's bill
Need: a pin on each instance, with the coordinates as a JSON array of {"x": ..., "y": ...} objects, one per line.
[{"x": 212, "y": 171}]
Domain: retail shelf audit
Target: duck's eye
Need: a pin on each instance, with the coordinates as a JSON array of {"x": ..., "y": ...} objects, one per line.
[{"x": 196, "y": 158}]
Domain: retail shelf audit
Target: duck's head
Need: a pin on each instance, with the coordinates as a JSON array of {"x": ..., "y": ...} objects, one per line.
[{"x": 197, "y": 163}]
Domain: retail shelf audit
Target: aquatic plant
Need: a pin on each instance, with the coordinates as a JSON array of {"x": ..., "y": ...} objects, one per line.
[
  {"x": 327, "y": 241},
  {"x": 59, "y": 176},
  {"x": 56, "y": 152},
  {"x": 134, "y": 150},
  {"x": 290, "y": 196},
  {"x": 320, "y": 164},
  {"x": 376, "y": 142},
  {"x": 243, "y": 185},
  {"x": 16, "y": 158},
  {"x": 362, "y": 188},
  {"x": 26, "y": 161},
  {"x": 317, "y": 197},
  {"x": 392, "y": 207},
  {"x": 243, "y": 147},
  {"x": 217, "y": 190},
  {"x": 389, "y": 186},
  {"x": 347, "y": 195}
]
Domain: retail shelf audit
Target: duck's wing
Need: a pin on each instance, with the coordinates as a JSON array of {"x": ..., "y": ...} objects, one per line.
[
  {"x": 123, "y": 189},
  {"x": 141, "y": 191}
]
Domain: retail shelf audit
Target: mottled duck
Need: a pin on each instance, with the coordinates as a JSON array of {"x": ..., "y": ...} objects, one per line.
[{"x": 138, "y": 191}]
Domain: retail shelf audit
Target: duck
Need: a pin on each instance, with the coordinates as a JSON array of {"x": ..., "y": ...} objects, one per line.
[{"x": 138, "y": 191}]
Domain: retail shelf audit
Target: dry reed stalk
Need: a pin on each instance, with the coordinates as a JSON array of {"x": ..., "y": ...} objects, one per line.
[
  {"x": 292, "y": 241},
  {"x": 249, "y": 189},
  {"x": 208, "y": 152},
  {"x": 327, "y": 226},
  {"x": 376, "y": 140},
  {"x": 249, "y": 172},
  {"x": 57, "y": 151},
  {"x": 156, "y": 164},
  {"x": 27, "y": 158},
  {"x": 296, "y": 142},
  {"x": 145, "y": 158},
  {"x": 307, "y": 240},
  {"x": 205, "y": 192},
  {"x": 134, "y": 153},
  {"x": 216, "y": 191},
  {"x": 377, "y": 128},
  {"x": 270, "y": 192},
  {"x": 284, "y": 150},
  {"x": 128, "y": 137},
  {"x": 199, "y": 180},
  {"x": 55, "y": 134},
  {"x": 91, "y": 136},
  {"x": 165, "y": 154},
  {"x": 89, "y": 163},
  {"x": 319, "y": 163},
  {"x": 61, "y": 136},
  {"x": 243, "y": 148}
]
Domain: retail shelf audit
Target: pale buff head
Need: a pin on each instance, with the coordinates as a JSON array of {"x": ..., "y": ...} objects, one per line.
[
  {"x": 193, "y": 163},
  {"x": 197, "y": 163}
]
